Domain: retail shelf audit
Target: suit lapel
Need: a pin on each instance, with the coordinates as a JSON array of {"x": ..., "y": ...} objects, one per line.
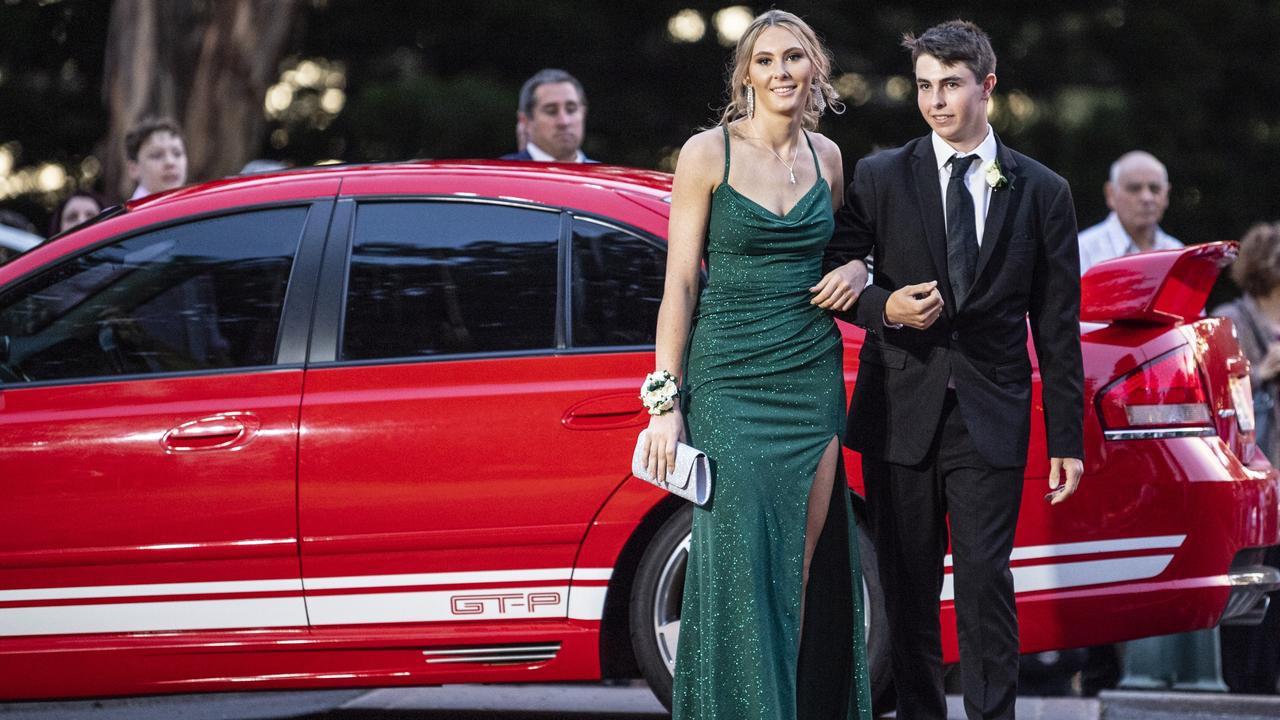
[
  {"x": 929, "y": 199},
  {"x": 998, "y": 210}
]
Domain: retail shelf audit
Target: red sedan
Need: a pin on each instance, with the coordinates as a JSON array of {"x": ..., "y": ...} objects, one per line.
[{"x": 371, "y": 426}]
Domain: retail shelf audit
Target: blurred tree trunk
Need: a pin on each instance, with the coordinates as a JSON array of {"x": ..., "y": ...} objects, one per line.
[{"x": 205, "y": 63}]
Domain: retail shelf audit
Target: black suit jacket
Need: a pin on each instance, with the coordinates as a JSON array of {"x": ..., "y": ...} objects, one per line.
[
  {"x": 1028, "y": 265},
  {"x": 524, "y": 155}
]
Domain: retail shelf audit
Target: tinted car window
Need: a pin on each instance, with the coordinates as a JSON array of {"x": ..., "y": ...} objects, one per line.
[
  {"x": 441, "y": 278},
  {"x": 198, "y": 296},
  {"x": 617, "y": 286}
]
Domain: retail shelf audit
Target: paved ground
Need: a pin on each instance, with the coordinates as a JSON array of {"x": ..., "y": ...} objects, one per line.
[
  {"x": 575, "y": 702},
  {"x": 1187, "y": 706}
]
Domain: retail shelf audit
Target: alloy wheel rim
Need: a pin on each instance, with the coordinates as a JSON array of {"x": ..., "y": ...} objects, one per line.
[
  {"x": 670, "y": 591},
  {"x": 666, "y": 605}
]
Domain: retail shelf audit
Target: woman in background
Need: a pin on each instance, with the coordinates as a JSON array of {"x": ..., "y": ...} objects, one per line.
[
  {"x": 78, "y": 207},
  {"x": 1251, "y": 655}
]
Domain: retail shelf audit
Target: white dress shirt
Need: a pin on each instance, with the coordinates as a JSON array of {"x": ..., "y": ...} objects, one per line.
[
  {"x": 1108, "y": 239},
  {"x": 975, "y": 177},
  {"x": 541, "y": 155}
]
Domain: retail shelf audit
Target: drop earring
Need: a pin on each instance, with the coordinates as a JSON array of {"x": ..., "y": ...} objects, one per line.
[
  {"x": 751, "y": 103},
  {"x": 819, "y": 100}
]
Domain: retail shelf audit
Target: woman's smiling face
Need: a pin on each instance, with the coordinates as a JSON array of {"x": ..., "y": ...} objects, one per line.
[{"x": 780, "y": 71}]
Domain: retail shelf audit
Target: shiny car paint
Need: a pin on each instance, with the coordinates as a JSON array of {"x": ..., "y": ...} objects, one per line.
[{"x": 328, "y": 523}]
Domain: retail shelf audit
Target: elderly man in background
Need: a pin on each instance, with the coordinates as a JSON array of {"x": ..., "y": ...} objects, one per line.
[
  {"x": 1138, "y": 194},
  {"x": 551, "y": 118}
]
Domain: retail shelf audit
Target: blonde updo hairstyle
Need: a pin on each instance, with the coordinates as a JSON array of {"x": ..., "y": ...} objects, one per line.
[{"x": 813, "y": 47}]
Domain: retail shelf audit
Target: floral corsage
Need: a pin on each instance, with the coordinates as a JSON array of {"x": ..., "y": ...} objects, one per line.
[
  {"x": 659, "y": 392},
  {"x": 996, "y": 179}
]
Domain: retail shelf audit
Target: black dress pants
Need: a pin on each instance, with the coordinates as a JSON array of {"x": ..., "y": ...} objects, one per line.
[{"x": 909, "y": 507}]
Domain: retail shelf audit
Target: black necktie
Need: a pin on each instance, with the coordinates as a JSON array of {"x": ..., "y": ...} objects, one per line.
[{"x": 962, "y": 234}]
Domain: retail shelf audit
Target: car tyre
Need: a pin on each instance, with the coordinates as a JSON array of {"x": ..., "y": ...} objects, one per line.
[
  {"x": 655, "y": 602},
  {"x": 659, "y": 587}
]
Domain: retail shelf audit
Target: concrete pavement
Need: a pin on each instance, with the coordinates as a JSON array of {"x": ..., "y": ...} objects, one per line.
[{"x": 584, "y": 701}]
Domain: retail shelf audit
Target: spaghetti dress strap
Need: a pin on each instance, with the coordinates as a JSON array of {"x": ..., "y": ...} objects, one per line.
[
  {"x": 816, "y": 165},
  {"x": 725, "y": 179}
]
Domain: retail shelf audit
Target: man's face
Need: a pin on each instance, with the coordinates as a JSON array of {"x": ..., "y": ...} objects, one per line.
[
  {"x": 1140, "y": 194},
  {"x": 557, "y": 120},
  {"x": 161, "y": 163},
  {"x": 953, "y": 101}
]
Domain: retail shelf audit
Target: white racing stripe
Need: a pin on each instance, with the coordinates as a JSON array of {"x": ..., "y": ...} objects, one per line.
[
  {"x": 540, "y": 600},
  {"x": 547, "y": 601},
  {"x": 1059, "y": 576},
  {"x": 154, "y": 616},
  {"x": 547, "y": 593},
  {"x": 1093, "y": 547},
  {"x": 587, "y": 603},
  {"x": 158, "y": 589},
  {"x": 449, "y": 578}
]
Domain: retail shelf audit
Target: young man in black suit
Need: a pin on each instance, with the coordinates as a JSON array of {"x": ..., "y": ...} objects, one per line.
[{"x": 969, "y": 238}]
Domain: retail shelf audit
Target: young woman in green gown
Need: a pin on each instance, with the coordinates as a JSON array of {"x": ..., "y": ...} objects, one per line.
[{"x": 771, "y": 625}]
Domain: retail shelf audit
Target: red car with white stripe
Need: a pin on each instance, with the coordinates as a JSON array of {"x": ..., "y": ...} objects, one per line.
[{"x": 371, "y": 426}]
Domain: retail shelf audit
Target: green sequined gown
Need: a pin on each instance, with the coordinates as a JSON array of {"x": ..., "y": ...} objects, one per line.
[{"x": 764, "y": 395}]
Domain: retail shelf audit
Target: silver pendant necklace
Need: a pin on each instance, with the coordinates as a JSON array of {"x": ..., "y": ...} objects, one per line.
[{"x": 791, "y": 169}]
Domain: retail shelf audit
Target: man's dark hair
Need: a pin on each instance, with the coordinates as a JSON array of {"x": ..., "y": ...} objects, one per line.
[
  {"x": 55, "y": 221},
  {"x": 544, "y": 77},
  {"x": 955, "y": 41},
  {"x": 145, "y": 128}
]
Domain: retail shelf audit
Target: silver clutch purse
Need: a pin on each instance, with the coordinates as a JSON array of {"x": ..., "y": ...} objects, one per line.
[{"x": 690, "y": 479}]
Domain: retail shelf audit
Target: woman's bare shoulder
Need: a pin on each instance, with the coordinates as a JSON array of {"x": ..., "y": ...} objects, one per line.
[
  {"x": 703, "y": 154},
  {"x": 825, "y": 147},
  {"x": 705, "y": 145}
]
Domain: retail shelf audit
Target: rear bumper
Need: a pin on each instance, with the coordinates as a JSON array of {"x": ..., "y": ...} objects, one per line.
[
  {"x": 1247, "y": 604},
  {"x": 1227, "y": 514}
]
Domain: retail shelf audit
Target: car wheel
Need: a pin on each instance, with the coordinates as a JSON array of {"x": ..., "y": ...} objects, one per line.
[
  {"x": 659, "y": 587},
  {"x": 655, "y": 602}
]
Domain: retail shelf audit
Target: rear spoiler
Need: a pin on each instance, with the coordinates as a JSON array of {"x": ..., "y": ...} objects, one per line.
[{"x": 1160, "y": 287}]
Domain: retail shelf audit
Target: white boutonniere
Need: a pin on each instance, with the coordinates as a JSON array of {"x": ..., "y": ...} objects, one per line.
[{"x": 996, "y": 179}]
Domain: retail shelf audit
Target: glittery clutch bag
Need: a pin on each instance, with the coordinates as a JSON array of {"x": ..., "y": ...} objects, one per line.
[{"x": 690, "y": 479}]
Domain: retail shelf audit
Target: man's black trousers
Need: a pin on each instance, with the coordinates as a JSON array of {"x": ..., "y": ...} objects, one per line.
[{"x": 909, "y": 507}]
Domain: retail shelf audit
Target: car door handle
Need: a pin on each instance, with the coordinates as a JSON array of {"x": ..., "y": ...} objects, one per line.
[
  {"x": 214, "y": 432},
  {"x": 607, "y": 412}
]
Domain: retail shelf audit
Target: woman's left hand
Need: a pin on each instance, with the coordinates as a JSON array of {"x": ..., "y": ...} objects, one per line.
[{"x": 839, "y": 289}]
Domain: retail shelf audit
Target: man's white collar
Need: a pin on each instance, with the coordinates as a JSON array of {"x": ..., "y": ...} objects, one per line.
[
  {"x": 986, "y": 150},
  {"x": 541, "y": 155}
]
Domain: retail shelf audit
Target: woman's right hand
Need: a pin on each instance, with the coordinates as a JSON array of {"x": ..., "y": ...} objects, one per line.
[{"x": 664, "y": 432}]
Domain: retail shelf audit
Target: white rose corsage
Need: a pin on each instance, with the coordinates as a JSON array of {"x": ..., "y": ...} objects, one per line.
[
  {"x": 996, "y": 179},
  {"x": 659, "y": 392}
]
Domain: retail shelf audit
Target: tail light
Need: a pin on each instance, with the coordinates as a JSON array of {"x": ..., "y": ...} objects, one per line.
[{"x": 1163, "y": 398}]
